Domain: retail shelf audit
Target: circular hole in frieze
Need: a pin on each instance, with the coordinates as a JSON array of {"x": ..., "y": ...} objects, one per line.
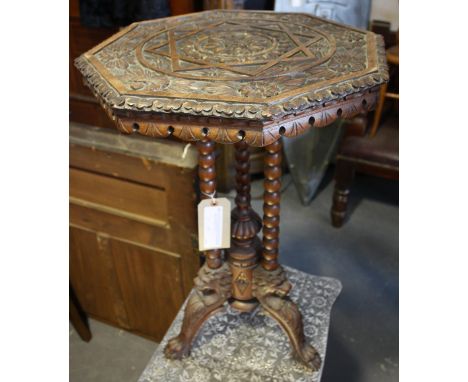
[
  {"x": 241, "y": 134},
  {"x": 170, "y": 130},
  {"x": 205, "y": 131},
  {"x": 364, "y": 103},
  {"x": 282, "y": 130},
  {"x": 136, "y": 127},
  {"x": 311, "y": 121},
  {"x": 339, "y": 112}
]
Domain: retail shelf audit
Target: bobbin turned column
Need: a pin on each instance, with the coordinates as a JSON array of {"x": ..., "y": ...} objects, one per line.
[
  {"x": 213, "y": 282},
  {"x": 271, "y": 286},
  {"x": 245, "y": 243},
  {"x": 271, "y": 205},
  {"x": 207, "y": 179}
]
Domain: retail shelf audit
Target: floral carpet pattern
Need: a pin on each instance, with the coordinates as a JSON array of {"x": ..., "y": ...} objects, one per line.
[{"x": 233, "y": 346}]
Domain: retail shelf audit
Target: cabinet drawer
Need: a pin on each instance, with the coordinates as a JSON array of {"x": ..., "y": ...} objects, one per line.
[{"x": 121, "y": 197}]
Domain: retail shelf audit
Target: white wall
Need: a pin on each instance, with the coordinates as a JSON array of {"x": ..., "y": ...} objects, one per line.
[{"x": 386, "y": 10}]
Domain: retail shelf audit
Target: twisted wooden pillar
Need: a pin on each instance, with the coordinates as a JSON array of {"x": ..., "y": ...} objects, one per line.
[
  {"x": 245, "y": 225},
  {"x": 271, "y": 206},
  {"x": 242, "y": 166},
  {"x": 213, "y": 282},
  {"x": 207, "y": 176}
]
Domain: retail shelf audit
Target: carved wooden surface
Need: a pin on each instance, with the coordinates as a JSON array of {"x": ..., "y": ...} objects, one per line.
[
  {"x": 212, "y": 289},
  {"x": 207, "y": 177},
  {"x": 271, "y": 206},
  {"x": 233, "y": 75},
  {"x": 271, "y": 288},
  {"x": 244, "y": 77},
  {"x": 245, "y": 226}
]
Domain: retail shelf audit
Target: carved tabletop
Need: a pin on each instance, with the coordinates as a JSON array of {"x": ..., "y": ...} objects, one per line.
[{"x": 235, "y": 75}]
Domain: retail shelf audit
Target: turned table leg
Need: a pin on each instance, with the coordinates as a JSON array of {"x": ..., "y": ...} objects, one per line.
[
  {"x": 213, "y": 283},
  {"x": 271, "y": 206},
  {"x": 245, "y": 242},
  {"x": 271, "y": 286}
]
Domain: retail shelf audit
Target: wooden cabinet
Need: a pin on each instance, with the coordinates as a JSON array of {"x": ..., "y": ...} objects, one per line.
[
  {"x": 133, "y": 249},
  {"x": 84, "y": 108}
]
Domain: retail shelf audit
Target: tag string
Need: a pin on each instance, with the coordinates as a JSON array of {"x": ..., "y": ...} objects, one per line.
[
  {"x": 184, "y": 153},
  {"x": 211, "y": 196}
]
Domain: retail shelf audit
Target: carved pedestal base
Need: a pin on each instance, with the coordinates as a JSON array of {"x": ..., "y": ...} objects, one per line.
[
  {"x": 212, "y": 289},
  {"x": 270, "y": 288},
  {"x": 251, "y": 275}
]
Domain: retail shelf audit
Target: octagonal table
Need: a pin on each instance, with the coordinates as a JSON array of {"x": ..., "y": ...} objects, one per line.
[{"x": 242, "y": 78}]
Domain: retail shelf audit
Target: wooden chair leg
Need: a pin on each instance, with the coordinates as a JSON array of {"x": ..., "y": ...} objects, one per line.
[
  {"x": 78, "y": 318},
  {"x": 378, "y": 110},
  {"x": 344, "y": 175}
]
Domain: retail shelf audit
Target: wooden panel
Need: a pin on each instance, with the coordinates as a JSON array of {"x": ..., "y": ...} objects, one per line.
[
  {"x": 181, "y": 7},
  {"x": 178, "y": 182},
  {"x": 122, "y": 166},
  {"x": 119, "y": 226},
  {"x": 118, "y": 195},
  {"x": 132, "y": 255},
  {"x": 93, "y": 277},
  {"x": 88, "y": 111},
  {"x": 74, "y": 8},
  {"x": 151, "y": 285}
]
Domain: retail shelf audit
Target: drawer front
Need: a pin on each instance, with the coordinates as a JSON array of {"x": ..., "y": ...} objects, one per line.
[{"x": 121, "y": 197}]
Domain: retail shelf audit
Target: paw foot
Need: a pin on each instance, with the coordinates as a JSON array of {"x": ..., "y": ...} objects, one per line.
[
  {"x": 311, "y": 357},
  {"x": 176, "y": 348}
]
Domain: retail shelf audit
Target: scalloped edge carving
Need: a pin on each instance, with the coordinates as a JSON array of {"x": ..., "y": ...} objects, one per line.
[
  {"x": 191, "y": 128},
  {"x": 258, "y": 111}
]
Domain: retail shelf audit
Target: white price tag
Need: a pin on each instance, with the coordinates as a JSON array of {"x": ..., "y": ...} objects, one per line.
[{"x": 214, "y": 224}]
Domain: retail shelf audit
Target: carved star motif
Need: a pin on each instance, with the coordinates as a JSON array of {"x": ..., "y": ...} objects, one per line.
[{"x": 238, "y": 47}]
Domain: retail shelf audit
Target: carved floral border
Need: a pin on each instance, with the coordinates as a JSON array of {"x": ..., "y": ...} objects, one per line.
[
  {"x": 112, "y": 99},
  {"x": 229, "y": 131}
]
